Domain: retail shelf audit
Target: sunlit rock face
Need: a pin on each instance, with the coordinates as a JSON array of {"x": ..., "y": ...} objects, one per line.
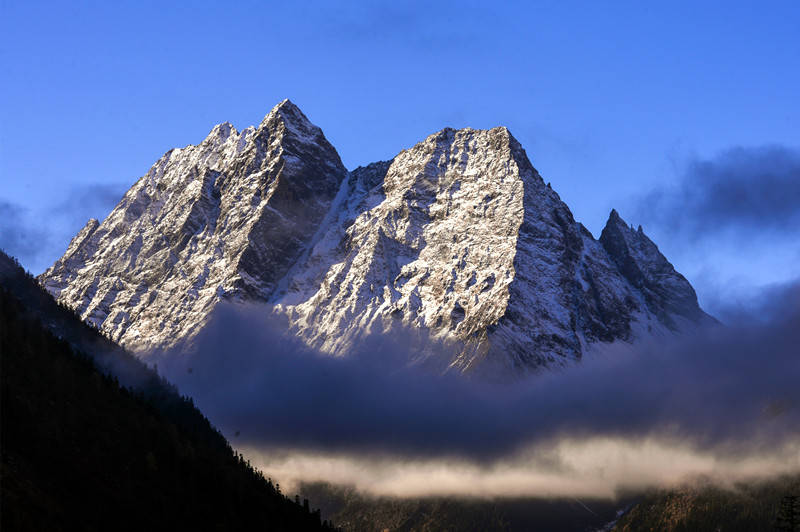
[
  {"x": 458, "y": 237},
  {"x": 224, "y": 219}
]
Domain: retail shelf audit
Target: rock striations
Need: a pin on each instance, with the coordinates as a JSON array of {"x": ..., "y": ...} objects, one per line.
[
  {"x": 457, "y": 236},
  {"x": 224, "y": 219}
]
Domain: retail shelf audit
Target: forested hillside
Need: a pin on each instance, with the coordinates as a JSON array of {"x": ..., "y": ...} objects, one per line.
[
  {"x": 747, "y": 507},
  {"x": 363, "y": 513},
  {"x": 81, "y": 451}
]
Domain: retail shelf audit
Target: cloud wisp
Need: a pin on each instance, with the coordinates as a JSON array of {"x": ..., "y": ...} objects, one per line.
[
  {"x": 19, "y": 237},
  {"x": 38, "y": 237},
  {"x": 593, "y": 467},
  {"x": 89, "y": 200},
  {"x": 721, "y": 401},
  {"x": 752, "y": 190}
]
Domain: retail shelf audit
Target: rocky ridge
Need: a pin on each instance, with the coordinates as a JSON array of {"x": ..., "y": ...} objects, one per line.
[
  {"x": 458, "y": 236},
  {"x": 221, "y": 220}
]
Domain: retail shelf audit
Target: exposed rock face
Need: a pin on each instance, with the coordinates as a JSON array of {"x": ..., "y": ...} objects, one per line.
[
  {"x": 668, "y": 294},
  {"x": 458, "y": 236},
  {"x": 225, "y": 218}
]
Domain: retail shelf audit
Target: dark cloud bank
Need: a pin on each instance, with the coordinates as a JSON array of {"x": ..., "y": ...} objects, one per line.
[
  {"x": 742, "y": 189},
  {"x": 732, "y": 390}
]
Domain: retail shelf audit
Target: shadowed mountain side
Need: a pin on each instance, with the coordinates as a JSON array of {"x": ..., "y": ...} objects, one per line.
[{"x": 667, "y": 293}]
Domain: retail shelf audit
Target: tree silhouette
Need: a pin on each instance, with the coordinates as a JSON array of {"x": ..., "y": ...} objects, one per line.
[{"x": 789, "y": 514}]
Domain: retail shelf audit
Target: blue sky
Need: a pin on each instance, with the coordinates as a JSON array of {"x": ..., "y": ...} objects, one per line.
[{"x": 610, "y": 102}]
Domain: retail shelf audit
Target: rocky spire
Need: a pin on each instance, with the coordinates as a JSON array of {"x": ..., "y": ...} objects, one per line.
[{"x": 666, "y": 291}]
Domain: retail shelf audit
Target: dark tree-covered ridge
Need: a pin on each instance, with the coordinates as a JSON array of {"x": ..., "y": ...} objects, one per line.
[{"x": 83, "y": 451}]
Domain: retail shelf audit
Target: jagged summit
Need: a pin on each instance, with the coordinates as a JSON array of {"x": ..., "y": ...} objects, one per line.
[
  {"x": 224, "y": 219},
  {"x": 615, "y": 220},
  {"x": 666, "y": 291},
  {"x": 287, "y": 115},
  {"x": 285, "y": 118},
  {"x": 457, "y": 236},
  {"x": 288, "y": 111},
  {"x": 223, "y": 131}
]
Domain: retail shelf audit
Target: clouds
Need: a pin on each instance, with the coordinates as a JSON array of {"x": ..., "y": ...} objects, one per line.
[
  {"x": 593, "y": 467},
  {"x": 725, "y": 395},
  {"x": 729, "y": 223},
  {"x": 89, "y": 200},
  {"x": 750, "y": 190},
  {"x": 37, "y": 238},
  {"x": 428, "y": 28},
  {"x": 19, "y": 236}
]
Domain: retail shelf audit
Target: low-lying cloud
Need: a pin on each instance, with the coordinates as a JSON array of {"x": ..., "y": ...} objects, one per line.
[
  {"x": 593, "y": 467},
  {"x": 722, "y": 401}
]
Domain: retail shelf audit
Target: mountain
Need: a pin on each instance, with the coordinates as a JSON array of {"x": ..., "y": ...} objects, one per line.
[
  {"x": 458, "y": 237},
  {"x": 359, "y": 512},
  {"x": 765, "y": 505},
  {"x": 81, "y": 450},
  {"x": 757, "y": 505},
  {"x": 223, "y": 219}
]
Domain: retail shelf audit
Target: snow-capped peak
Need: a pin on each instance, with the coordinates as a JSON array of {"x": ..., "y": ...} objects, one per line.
[{"x": 457, "y": 236}]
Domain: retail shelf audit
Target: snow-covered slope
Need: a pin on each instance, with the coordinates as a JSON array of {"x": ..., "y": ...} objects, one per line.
[
  {"x": 226, "y": 218},
  {"x": 457, "y": 236}
]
